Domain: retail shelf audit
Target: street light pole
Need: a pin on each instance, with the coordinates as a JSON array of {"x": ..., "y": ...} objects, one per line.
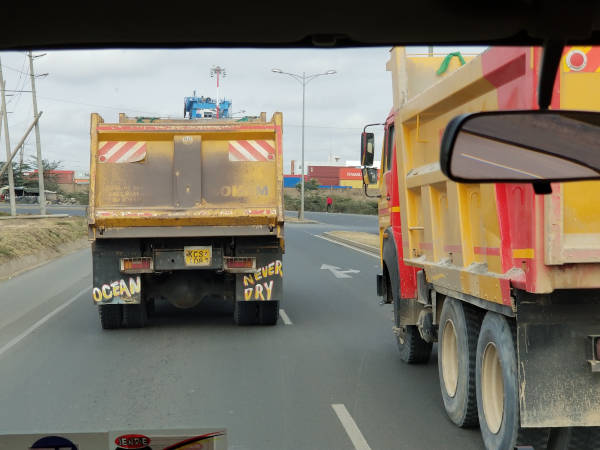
[
  {"x": 304, "y": 80},
  {"x": 301, "y": 217}
]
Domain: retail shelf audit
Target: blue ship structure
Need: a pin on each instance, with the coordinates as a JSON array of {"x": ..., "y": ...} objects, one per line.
[{"x": 205, "y": 108}]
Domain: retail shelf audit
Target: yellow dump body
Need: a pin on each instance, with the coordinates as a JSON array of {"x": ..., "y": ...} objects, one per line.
[
  {"x": 476, "y": 239},
  {"x": 150, "y": 174}
]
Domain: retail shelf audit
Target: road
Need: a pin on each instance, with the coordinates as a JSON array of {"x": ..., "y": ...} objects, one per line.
[
  {"x": 75, "y": 210},
  {"x": 272, "y": 388}
]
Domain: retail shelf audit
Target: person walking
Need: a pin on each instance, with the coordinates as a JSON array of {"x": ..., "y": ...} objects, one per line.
[{"x": 329, "y": 203}]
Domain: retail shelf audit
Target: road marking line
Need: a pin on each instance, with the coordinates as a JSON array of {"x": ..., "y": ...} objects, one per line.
[
  {"x": 285, "y": 317},
  {"x": 346, "y": 245},
  {"x": 14, "y": 341},
  {"x": 357, "y": 438}
]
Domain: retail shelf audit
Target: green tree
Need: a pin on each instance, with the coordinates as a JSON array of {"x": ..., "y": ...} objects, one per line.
[
  {"x": 26, "y": 174},
  {"x": 310, "y": 185}
]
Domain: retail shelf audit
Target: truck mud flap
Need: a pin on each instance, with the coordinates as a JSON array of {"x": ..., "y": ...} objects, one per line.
[
  {"x": 557, "y": 385},
  {"x": 110, "y": 286},
  {"x": 267, "y": 282}
]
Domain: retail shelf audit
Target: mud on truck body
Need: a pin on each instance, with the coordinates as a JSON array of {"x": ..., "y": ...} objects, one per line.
[{"x": 180, "y": 210}]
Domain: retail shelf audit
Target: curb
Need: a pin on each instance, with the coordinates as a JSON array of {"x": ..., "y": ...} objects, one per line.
[
  {"x": 294, "y": 220},
  {"x": 360, "y": 245}
]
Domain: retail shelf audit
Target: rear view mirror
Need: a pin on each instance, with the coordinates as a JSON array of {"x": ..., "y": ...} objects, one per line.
[
  {"x": 522, "y": 146},
  {"x": 369, "y": 175},
  {"x": 367, "y": 148}
]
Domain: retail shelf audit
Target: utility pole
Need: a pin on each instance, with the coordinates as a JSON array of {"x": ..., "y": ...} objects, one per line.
[
  {"x": 218, "y": 71},
  {"x": 38, "y": 145},
  {"x": 11, "y": 179}
]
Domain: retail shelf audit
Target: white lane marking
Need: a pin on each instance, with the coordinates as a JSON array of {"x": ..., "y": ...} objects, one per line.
[
  {"x": 346, "y": 245},
  {"x": 338, "y": 272},
  {"x": 357, "y": 438},
  {"x": 285, "y": 317},
  {"x": 14, "y": 341}
]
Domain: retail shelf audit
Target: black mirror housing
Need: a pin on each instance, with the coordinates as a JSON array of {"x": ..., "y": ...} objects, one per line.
[
  {"x": 367, "y": 149},
  {"x": 369, "y": 175}
]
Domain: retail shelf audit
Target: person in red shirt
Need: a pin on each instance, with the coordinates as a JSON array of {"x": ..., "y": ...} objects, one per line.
[{"x": 329, "y": 203}]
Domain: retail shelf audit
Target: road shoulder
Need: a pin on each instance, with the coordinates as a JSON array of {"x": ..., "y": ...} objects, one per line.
[{"x": 360, "y": 240}]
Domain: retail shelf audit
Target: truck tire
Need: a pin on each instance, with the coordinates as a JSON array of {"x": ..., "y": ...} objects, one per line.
[
  {"x": 135, "y": 316},
  {"x": 268, "y": 312},
  {"x": 413, "y": 349},
  {"x": 111, "y": 316},
  {"x": 498, "y": 388},
  {"x": 245, "y": 313},
  {"x": 457, "y": 349}
]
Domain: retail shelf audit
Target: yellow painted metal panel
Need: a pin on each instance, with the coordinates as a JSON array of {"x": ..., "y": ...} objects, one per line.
[
  {"x": 234, "y": 174},
  {"x": 527, "y": 253}
]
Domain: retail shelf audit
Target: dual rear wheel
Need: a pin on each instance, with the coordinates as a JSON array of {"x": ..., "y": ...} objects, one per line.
[
  {"x": 256, "y": 313},
  {"x": 123, "y": 316},
  {"x": 477, "y": 367}
]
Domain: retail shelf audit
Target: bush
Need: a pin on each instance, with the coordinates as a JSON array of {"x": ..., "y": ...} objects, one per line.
[{"x": 316, "y": 201}]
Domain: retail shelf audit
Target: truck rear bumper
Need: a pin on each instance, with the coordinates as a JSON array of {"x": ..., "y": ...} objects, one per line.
[
  {"x": 127, "y": 271},
  {"x": 184, "y": 231}
]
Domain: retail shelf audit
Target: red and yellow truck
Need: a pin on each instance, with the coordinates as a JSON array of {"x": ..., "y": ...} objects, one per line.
[
  {"x": 506, "y": 282},
  {"x": 184, "y": 209}
]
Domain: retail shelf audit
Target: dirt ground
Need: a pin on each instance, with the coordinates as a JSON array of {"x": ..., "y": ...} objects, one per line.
[
  {"x": 357, "y": 236},
  {"x": 24, "y": 237}
]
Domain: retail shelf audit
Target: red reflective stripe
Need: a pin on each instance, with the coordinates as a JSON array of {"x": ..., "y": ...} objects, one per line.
[
  {"x": 126, "y": 147},
  {"x": 250, "y": 149},
  {"x": 493, "y": 251},
  {"x": 236, "y": 153},
  {"x": 141, "y": 151},
  {"x": 106, "y": 147},
  {"x": 266, "y": 146}
]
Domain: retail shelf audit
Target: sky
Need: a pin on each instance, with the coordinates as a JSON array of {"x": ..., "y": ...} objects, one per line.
[{"x": 155, "y": 82}]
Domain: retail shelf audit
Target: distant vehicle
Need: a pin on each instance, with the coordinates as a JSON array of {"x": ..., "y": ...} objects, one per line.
[
  {"x": 184, "y": 209},
  {"x": 506, "y": 281}
]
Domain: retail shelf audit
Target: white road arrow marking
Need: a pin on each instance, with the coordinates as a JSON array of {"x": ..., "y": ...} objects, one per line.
[{"x": 337, "y": 272}]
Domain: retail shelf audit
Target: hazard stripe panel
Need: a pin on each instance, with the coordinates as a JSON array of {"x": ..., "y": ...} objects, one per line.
[
  {"x": 121, "y": 151},
  {"x": 251, "y": 150}
]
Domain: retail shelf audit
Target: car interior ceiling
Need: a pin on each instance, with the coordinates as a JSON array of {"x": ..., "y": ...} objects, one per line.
[{"x": 328, "y": 24}]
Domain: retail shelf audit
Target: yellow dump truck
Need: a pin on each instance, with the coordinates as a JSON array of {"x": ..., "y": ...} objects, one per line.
[
  {"x": 184, "y": 209},
  {"x": 505, "y": 280}
]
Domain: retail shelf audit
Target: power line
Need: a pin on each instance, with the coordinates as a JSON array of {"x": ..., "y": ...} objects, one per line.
[{"x": 16, "y": 70}]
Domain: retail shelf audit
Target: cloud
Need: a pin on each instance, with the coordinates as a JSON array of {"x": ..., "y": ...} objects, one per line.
[{"x": 155, "y": 82}]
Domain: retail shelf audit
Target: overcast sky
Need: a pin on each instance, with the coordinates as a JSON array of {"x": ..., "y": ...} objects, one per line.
[{"x": 154, "y": 83}]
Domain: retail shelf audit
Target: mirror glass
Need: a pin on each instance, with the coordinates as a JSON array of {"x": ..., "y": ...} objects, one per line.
[
  {"x": 524, "y": 146},
  {"x": 369, "y": 175},
  {"x": 367, "y": 149}
]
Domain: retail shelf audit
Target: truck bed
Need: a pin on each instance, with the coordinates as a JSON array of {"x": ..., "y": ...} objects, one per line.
[{"x": 194, "y": 178}]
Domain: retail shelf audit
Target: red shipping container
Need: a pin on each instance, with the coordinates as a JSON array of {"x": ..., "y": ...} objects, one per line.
[
  {"x": 324, "y": 171},
  {"x": 350, "y": 173}
]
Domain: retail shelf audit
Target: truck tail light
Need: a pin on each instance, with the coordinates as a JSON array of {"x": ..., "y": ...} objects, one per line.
[
  {"x": 595, "y": 360},
  {"x": 137, "y": 265},
  {"x": 240, "y": 264}
]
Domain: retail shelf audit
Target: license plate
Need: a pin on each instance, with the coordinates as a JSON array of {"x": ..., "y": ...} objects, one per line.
[{"x": 197, "y": 256}]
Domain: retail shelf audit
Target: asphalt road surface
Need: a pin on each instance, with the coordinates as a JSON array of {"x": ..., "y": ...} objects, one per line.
[
  {"x": 75, "y": 210},
  {"x": 328, "y": 379}
]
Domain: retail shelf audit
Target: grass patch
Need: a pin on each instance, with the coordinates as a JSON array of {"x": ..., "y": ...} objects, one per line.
[
  {"x": 351, "y": 201},
  {"x": 23, "y": 237}
]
